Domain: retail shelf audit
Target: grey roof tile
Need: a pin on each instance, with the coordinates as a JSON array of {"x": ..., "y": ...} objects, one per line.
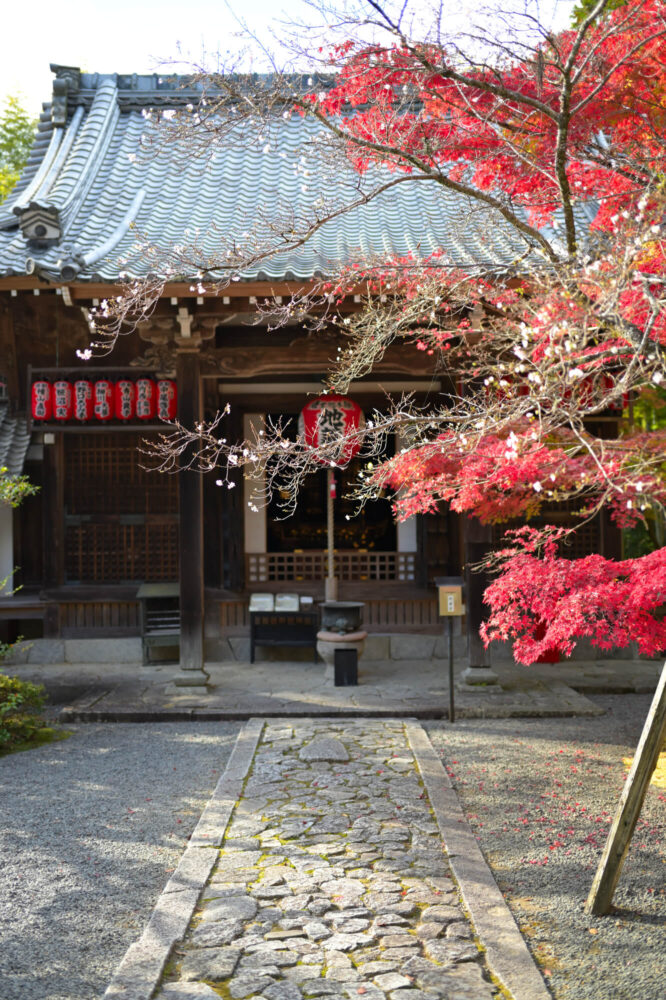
[
  {"x": 104, "y": 201},
  {"x": 14, "y": 440}
]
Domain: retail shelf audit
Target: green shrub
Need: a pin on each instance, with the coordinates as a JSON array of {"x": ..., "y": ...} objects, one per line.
[{"x": 19, "y": 701}]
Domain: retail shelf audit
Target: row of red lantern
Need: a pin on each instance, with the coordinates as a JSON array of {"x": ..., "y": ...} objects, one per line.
[{"x": 104, "y": 400}]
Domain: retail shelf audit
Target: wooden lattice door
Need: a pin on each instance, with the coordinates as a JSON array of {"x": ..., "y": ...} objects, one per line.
[
  {"x": 121, "y": 521},
  {"x": 434, "y": 548}
]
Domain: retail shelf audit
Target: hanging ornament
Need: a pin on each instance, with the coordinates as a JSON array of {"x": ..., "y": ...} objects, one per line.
[
  {"x": 63, "y": 404},
  {"x": 328, "y": 418},
  {"x": 124, "y": 397},
  {"x": 41, "y": 404},
  {"x": 145, "y": 399},
  {"x": 83, "y": 399},
  {"x": 103, "y": 399},
  {"x": 166, "y": 399}
]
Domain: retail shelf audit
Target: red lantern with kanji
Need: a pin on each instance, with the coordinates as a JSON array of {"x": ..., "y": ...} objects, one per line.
[
  {"x": 41, "y": 403},
  {"x": 146, "y": 394},
  {"x": 83, "y": 399},
  {"x": 328, "y": 418},
  {"x": 103, "y": 399},
  {"x": 63, "y": 404},
  {"x": 166, "y": 399},
  {"x": 125, "y": 399}
]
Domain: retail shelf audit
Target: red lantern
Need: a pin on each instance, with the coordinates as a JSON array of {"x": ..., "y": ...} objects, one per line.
[
  {"x": 329, "y": 417},
  {"x": 83, "y": 399},
  {"x": 63, "y": 405},
  {"x": 125, "y": 395},
  {"x": 166, "y": 399},
  {"x": 145, "y": 399},
  {"x": 41, "y": 402},
  {"x": 103, "y": 399}
]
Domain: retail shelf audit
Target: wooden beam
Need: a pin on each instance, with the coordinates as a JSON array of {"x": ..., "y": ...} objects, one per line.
[
  {"x": 630, "y": 804},
  {"x": 85, "y": 291}
]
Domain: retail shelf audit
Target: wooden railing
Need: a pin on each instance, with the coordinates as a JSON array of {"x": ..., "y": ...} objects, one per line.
[{"x": 355, "y": 564}]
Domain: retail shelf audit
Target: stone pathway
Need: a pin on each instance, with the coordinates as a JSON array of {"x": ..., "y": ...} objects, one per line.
[{"x": 331, "y": 880}]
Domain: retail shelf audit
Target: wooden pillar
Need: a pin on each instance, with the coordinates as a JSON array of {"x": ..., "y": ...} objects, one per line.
[
  {"x": 190, "y": 526},
  {"x": 8, "y": 364},
  {"x": 478, "y": 541},
  {"x": 53, "y": 508}
]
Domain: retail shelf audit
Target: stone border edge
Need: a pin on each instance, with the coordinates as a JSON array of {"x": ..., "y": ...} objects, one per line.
[
  {"x": 506, "y": 952},
  {"x": 141, "y": 968}
]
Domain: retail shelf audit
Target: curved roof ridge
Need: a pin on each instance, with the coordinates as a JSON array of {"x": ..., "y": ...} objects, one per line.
[{"x": 87, "y": 154}]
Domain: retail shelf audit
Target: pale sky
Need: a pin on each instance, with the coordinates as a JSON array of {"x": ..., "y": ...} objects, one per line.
[{"x": 138, "y": 36}]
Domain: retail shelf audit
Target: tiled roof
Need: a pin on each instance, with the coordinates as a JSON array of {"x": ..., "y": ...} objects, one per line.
[
  {"x": 14, "y": 440},
  {"x": 83, "y": 199}
]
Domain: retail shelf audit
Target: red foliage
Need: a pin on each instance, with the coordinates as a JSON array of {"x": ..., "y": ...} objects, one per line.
[
  {"x": 548, "y": 603},
  {"x": 501, "y": 129},
  {"x": 500, "y": 478}
]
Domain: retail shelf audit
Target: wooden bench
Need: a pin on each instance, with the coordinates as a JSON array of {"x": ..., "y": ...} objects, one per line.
[{"x": 160, "y": 616}]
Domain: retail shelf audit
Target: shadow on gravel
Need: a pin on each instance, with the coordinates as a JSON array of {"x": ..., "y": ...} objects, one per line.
[{"x": 638, "y": 917}]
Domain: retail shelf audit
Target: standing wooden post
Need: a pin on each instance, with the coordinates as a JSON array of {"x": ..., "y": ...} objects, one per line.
[
  {"x": 450, "y": 599},
  {"x": 190, "y": 527},
  {"x": 328, "y": 419},
  {"x": 478, "y": 542},
  {"x": 631, "y": 802},
  {"x": 53, "y": 509},
  {"x": 331, "y": 582}
]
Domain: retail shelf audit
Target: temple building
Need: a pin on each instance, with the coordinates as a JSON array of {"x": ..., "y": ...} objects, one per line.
[{"x": 103, "y": 524}]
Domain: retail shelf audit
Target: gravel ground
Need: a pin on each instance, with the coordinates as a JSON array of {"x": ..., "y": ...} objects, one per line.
[
  {"x": 540, "y": 795},
  {"x": 90, "y": 829}
]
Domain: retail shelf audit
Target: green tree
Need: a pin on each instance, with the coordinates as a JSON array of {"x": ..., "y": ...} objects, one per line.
[
  {"x": 14, "y": 488},
  {"x": 17, "y": 132},
  {"x": 20, "y": 701},
  {"x": 585, "y": 7}
]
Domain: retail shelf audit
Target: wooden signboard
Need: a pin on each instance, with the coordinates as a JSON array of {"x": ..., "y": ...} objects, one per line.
[{"x": 450, "y": 600}]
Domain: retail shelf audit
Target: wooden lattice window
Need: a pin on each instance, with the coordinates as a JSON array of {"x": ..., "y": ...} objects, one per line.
[{"x": 121, "y": 521}]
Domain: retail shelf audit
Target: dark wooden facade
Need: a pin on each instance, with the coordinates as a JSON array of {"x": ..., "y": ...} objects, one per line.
[{"x": 104, "y": 523}]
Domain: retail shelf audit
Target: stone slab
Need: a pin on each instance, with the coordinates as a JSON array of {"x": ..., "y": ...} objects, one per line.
[
  {"x": 377, "y": 647},
  {"x": 210, "y": 964},
  {"x": 45, "y": 651},
  {"x": 37, "y": 651},
  {"x": 412, "y": 647},
  {"x": 326, "y": 750},
  {"x": 124, "y": 649},
  {"x": 217, "y": 650},
  {"x": 187, "y": 991}
]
